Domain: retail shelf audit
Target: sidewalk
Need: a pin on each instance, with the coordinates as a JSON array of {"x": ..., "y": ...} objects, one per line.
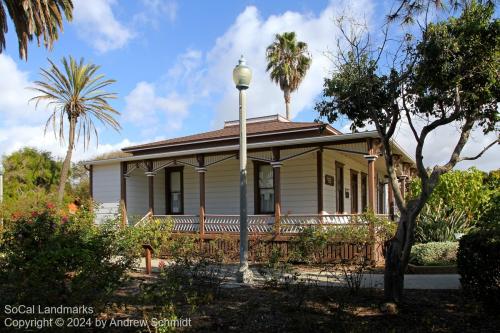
[{"x": 412, "y": 281}]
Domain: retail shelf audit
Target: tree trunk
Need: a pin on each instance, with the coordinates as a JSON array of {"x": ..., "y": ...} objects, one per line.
[
  {"x": 397, "y": 254},
  {"x": 287, "y": 102},
  {"x": 67, "y": 160}
]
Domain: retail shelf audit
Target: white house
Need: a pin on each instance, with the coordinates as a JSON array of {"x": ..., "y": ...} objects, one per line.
[{"x": 298, "y": 172}]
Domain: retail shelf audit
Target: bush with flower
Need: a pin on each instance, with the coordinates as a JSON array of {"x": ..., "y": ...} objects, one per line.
[{"x": 52, "y": 257}]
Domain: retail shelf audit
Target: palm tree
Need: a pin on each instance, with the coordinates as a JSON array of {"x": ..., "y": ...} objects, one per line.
[
  {"x": 287, "y": 61},
  {"x": 75, "y": 95},
  {"x": 34, "y": 18}
]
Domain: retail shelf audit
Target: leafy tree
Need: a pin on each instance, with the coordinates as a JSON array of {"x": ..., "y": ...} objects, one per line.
[
  {"x": 288, "y": 62},
  {"x": 75, "y": 95},
  {"x": 34, "y": 18},
  {"x": 446, "y": 73},
  {"x": 467, "y": 191},
  {"x": 28, "y": 170}
]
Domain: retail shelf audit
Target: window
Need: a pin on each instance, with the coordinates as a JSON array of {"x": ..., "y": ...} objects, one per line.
[
  {"x": 264, "y": 189},
  {"x": 339, "y": 174},
  {"x": 174, "y": 188}
]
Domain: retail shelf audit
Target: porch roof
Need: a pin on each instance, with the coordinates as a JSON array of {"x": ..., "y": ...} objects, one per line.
[{"x": 287, "y": 143}]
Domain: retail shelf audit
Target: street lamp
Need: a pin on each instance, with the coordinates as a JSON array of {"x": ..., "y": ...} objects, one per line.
[{"x": 242, "y": 75}]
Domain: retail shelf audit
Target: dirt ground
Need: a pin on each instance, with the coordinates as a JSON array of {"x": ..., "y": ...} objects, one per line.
[{"x": 316, "y": 309}]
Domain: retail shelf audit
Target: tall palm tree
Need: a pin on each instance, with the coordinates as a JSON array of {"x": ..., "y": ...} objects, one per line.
[
  {"x": 75, "y": 95},
  {"x": 34, "y": 18},
  {"x": 287, "y": 61}
]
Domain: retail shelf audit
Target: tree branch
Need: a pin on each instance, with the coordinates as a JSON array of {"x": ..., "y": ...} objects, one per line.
[{"x": 472, "y": 158}]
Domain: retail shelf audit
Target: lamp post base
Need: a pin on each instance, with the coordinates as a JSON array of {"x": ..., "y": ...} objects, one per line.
[{"x": 244, "y": 274}]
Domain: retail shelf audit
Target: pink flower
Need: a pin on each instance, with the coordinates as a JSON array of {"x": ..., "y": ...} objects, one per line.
[
  {"x": 50, "y": 205},
  {"x": 64, "y": 219},
  {"x": 161, "y": 264},
  {"x": 34, "y": 214}
]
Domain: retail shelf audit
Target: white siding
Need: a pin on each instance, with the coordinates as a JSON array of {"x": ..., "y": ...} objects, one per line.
[
  {"x": 222, "y": 188},
  {"x": 159, "y": 193},
  {"x": 191, "y": 191},
  {"x": 106, "y": 190},
  {"x": 299, "y": 185},
  {"x": 137, "y": 194}
]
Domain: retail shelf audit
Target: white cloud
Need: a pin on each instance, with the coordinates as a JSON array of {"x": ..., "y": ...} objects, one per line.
[
  {"x": 155, "y": 11},
  {"x": 97, "y": 25},
  {"x": 250, "y": 35},
  {"x": 14, "y": 95},
  {"x": 153, "y": 112},
  {"x": 440, "y": 143}
]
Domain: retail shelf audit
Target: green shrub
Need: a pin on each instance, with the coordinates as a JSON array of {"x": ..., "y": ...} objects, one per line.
[
  {"x": 434, "y": 254},
  {"x": 310, "y": 243},
  {"x": 53, "y": 259},
  {"x": 440, "y": 224},
  {"x": 478, "y": 259}
]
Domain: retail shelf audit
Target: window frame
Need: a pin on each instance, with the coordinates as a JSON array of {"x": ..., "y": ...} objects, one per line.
[
  {"x": 339, "y": 196},
  {"x": 256, "y": 188},
  {"x": 168, "y": 190}
]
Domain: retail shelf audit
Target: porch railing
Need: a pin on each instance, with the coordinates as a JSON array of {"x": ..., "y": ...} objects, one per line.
[{"x": 257, "y": 224}]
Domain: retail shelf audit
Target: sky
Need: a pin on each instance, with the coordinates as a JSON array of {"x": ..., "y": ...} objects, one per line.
[{"x": 173, "y": 63}]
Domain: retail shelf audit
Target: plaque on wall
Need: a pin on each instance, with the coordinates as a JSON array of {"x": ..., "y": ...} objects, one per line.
[{"x": 329, "y": 180}]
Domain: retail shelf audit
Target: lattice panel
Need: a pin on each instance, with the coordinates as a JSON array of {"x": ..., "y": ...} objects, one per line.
[
  {"x": 231, "y": 223},
  {"x": 182, "y": 223}
]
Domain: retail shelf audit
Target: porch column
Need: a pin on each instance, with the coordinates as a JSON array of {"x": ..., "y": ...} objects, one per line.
[
  {"x": 91, "y": 181},
  {"x": 201, "y": 169},
  {"x": 150, "y": 174},
  {"x": 319, "y": 180},
  {"x": 390, "y": 193},
  {"x": 277, "y": 188},
  {"x": 123, "y": 192},
  {"x": 402, "y": 185},
  {"x": 371, "y": 158}
]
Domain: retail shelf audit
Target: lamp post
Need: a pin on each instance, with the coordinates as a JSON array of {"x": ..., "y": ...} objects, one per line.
[{"x": 242, "y": 75}]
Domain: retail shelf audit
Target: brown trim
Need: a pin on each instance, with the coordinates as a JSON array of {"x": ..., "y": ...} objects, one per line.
[
  {"x": 235, "y": 142},
  {"x": 390, "y": 201},
  {"x": 168, "y": 198},
  {"x": 339, "y": 188},
  {"x": 319, "y": 179},
  {"x": 91, "y": 182},
  {"x": 151, "y": 191},
  {"x": 364, "y": 192},
  {"x": 354, "y": 191},
  {"x": 256, "y": 196},
  {"x": 123, "y": 183}
]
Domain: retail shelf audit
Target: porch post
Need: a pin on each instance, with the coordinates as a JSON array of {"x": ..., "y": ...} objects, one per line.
[
  {"x": 91, "y": 181},
  {"x": 150, "y": 176},
  {"x": 391, "y": 201},
  {"x": 123, "y": 192},
  {"x": 201, "y": 169},
  {"x": 402, "y": 185},
  {"x": 371, "y": 158},
  {"x": 319, "y": 179},
  {"x": 277, "y": 188}
]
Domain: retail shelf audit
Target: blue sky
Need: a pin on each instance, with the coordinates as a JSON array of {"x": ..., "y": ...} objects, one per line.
[{"x": 173, "y": 60}]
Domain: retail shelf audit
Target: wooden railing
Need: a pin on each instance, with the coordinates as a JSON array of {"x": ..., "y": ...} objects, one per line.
[
  {"x": 231, "y": 223},
  {"x": 257, "y": 224}
]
